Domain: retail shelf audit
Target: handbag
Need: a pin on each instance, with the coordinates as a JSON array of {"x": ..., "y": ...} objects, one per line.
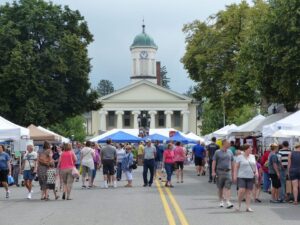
[
  {"x": 10, "y": 180},
  {"x": 75, "y": 172},
  {"x": 133, "y": 166}
]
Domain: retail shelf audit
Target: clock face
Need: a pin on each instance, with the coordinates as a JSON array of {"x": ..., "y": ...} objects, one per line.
[{"x": 144, "y": 55}]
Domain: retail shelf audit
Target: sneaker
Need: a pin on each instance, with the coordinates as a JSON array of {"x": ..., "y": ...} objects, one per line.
[
  {"x": 29, "y": 195},
  {"x": 249, "y": 210},
  {"x": 221, "y": 204},
  {"x": 229, "y": 205},
  {"x": 7, "y": 194},
  {"x": 115, "y": 184},
  {"x": 105, "y": 185}
]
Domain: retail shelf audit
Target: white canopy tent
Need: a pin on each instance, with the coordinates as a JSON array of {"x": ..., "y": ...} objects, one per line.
[
  {"x": 221, "y": 133},
  {"x": 248, "y": 128},
  {"x": 286, "y": 134},
  {"x": 193, "y": 136},
  {"x": 291, "y": 122},
  {"x": 11, "y": 131}
]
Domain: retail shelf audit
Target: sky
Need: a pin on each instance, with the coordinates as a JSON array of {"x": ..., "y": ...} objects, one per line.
[{"x": 115, "y": 23}]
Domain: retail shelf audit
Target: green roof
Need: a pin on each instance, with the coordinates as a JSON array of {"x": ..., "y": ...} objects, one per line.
[{"x": 143, "y": 40}]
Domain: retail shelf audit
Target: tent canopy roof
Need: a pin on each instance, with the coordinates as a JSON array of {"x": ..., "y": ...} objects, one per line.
[
  {"x": 248, "y": 128},
  {"x": 37, "y": 134},
  {"x": 9, "y": 130},
  {"x": 120, "y": 136}
]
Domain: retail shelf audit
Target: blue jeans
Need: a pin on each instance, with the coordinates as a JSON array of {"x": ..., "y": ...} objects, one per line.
[
  {"x": 119, "y": 171},
  {"x": 149, "y": 164},
  {"x": 169, "y": 170},
  {"x": 283, "y": 183},
  {"x": 266, "y": 182}
]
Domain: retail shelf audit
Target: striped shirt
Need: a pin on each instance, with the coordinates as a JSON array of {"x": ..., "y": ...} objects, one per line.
[
  {"x": 120, "y": 155},
  {"x": 284, "y": 153}
]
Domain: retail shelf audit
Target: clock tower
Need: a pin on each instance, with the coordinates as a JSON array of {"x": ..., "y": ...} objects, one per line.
[{"x": 143, "y": 51}]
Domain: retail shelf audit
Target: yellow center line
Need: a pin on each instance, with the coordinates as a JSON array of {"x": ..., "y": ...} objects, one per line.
[
  {"x": 177, "y": 208},
  {"x": 168, "y": 211}
]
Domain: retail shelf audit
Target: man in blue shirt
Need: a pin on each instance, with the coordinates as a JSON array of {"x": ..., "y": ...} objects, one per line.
[{"x": 199, "y": 156}]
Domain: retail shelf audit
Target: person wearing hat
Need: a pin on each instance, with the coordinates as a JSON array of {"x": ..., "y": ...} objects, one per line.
[
  {"x": 294, "y": 171},
  {"x": 274, "y": 172},
  {"x": 149, "y": 163}
]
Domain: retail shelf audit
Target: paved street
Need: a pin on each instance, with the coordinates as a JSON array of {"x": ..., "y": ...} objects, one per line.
[{"x": 193, "y": 202}]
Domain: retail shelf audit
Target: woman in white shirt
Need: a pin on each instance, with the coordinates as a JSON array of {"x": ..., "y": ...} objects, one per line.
[
  {"x": 87, "y": 163},
  {"x": 245, "y": 172}
]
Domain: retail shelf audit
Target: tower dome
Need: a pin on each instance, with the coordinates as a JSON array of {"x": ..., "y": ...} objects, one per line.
[{"x": 143, "y": 40}]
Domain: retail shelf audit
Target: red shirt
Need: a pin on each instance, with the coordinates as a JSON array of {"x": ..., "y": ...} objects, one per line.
[
  {"x": 67, "y": 160},
  {"x": 179, "y": 154},
  {"x": 264, "y": 159},
  {"x": 169, "y": 156}
]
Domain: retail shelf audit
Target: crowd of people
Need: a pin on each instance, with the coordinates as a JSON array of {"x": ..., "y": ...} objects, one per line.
[
  {"x": 57, "y": 167},
  {"x": 277, "y": 171}
]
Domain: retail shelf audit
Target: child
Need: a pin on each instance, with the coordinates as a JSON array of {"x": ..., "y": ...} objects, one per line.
[{"x": 51, "y": 175}]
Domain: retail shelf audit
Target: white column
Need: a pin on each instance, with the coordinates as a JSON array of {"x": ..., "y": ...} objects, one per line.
[
  {"x": 103, "y": 114},
  {"x": 119, "y": 119},
  {"x": 168, "y": 114},
  {"x": 135, "y": 119},
  {"x": 185, "y": 121},
  {"x": 152, "y": 119}
]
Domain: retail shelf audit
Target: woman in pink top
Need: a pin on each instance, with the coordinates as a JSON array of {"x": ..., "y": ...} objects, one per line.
[
  {"x": 168, "y": 159},
  {"x": 66, "y": 164},
  {"x": 179, "y": 158}
]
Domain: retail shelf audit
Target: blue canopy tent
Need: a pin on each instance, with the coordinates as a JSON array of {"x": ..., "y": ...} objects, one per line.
[
  {"x": 121, "y": 137},
  {"x": 179, "y": 137},
  {"x": 156, "y": 137}
]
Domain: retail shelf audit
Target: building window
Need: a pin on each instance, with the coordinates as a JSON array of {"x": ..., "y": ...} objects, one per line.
[
  {"x": 177, "y": 119},
  {"x": 127, "y": 116},
  {"x": 111, "y": 118},
  {"x": 134, "y": 67},
  {"x": 161, "y": 118}
]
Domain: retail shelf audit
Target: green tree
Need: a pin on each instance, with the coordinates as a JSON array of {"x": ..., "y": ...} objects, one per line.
[
  {"x": 272, "y": 52},
  {"x": 44, "y": 64},
  {"x": 212, "y": 118},
  {"x": 211, "y": 58},
  {"x": 164, "y": 79},
  {"x": 105, "y": 87},
  {"x": 71, "y": 126}
]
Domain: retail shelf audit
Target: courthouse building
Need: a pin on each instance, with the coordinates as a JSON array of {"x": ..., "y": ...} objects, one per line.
[{"x": 144, "y": 103}]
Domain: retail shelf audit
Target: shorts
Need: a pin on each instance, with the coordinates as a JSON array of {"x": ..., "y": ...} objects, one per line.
[
  {"x": 3, "y": 175},
  {"x": 86, "y": 170},
  {"x": 27, "y": 175},
  {"x": 179, "y": 165},
  {"x": 224, "y": 181},
  {"x": 198, "y": 161},
  {"x": 108, "y": 167},
  {"x": 246, "y": 183},
  {"x": 294, "y": 175},
  {"x": 51, "y": 186},
  {"x": 275, "y": 181}
]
